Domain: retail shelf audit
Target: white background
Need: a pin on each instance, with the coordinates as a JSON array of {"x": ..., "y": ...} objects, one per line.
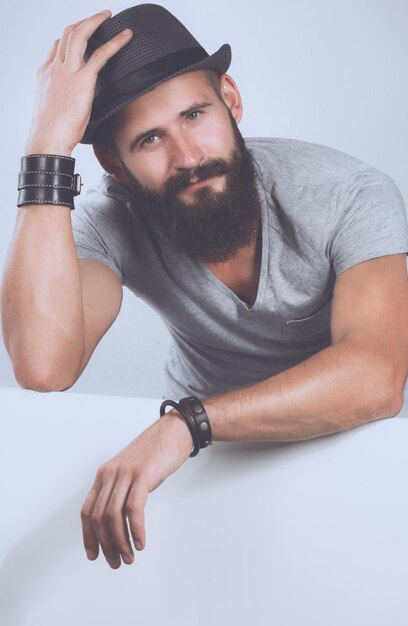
[{"x": 318, "y": 70}]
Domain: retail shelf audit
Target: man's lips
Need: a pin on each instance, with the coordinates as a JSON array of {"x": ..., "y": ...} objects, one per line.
[{"x": 193, "y": 185}]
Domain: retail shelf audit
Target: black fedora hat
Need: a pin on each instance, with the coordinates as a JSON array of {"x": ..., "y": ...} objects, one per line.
[{"x": 160, "y": 48}]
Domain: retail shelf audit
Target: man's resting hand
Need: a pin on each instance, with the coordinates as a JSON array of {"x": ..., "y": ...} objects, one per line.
[{"x": 122, "y": 485}]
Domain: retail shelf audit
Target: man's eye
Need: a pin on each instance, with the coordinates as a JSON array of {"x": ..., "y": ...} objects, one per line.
[
  {"x": 197, "y": 113},
  {"x": 147, "y": 141}
]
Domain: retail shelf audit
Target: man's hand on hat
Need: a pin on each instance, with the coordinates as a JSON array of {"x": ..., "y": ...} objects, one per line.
[
  {"x": 122, "y": 485},
  {"x": 66, "y": 86}
]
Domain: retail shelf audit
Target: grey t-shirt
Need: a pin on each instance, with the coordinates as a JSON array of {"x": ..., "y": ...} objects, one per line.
[{"x": 323, "y": 211}]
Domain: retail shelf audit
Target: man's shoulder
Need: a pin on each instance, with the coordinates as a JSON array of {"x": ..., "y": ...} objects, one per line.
[
  {"x": 106, "y": 211},
  {"x": 104, "y": 195},
  {"x": 105, "y": 204},
  {"x": 303, "y": 163},
  {"x": 309, "y": 186}
]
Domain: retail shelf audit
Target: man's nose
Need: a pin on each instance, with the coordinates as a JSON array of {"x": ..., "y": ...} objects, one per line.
[{"x": 186, "y": 152}]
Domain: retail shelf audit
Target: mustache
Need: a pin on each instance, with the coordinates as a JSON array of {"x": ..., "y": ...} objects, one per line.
[{"x": 178, "y": 182}]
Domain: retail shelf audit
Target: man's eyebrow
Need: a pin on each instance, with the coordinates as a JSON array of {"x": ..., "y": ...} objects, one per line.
[
  {"x": 193, "y": 107},
  {"x": 153, "y": 131}
]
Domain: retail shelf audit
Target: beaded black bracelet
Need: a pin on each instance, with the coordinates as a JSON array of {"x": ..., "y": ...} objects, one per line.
[{"x": 48, "y": 179}]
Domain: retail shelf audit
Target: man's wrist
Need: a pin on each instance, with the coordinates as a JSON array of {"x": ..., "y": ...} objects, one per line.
[
  {"x": 176, "y": 422},
  {"x": 48, "y": 150},
  {"x": 36, "y": 146}
]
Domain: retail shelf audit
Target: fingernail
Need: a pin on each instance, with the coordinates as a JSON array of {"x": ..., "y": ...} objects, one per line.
[
  {"x": 105, "y": 12},
  {"x": 126, "y": 32},
  {"x": 90, "y": 554},
  {"x": 113, "y": 563},
  {"x": 139, "y": 546},
  {"x": 127, "y": 559}
]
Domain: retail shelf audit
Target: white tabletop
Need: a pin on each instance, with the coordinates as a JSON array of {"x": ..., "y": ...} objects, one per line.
[{"x": 307, "y": 533}]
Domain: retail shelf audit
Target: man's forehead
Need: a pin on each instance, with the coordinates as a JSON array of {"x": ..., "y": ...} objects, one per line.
[{"x": 173, "y": 95}]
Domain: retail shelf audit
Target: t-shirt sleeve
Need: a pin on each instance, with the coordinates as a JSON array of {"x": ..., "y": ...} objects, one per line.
[
  {"x": 370, "y": 220},
  {"x": 97, "y": 233}
]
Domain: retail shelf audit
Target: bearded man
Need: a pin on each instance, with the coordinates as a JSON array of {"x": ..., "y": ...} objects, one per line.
[{"x": 277, "y": 265}]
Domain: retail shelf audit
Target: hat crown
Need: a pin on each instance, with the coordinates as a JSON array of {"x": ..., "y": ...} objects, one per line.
[{"x": 156, "y": 33}]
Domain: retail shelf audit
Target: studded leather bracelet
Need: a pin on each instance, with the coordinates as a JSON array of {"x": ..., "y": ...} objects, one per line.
[
  {"x": 193, "y": 412},
  {"x": 48, "y": 179}
]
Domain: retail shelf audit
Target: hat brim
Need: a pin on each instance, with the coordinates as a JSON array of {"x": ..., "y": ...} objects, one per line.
[{"x": 219, "y": 61}]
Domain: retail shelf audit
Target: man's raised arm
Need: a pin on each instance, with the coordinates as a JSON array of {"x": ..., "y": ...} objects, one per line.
[{"x": 48, "y": 329}]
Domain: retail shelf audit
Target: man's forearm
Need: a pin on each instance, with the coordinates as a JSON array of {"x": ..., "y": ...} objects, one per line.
[
  {"x": 338, "y": 388},
  {"x": 42, "y": 311}
]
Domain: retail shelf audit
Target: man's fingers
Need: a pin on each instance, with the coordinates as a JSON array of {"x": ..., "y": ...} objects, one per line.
[
  {"x": 135, "y": 511},
  {"x": 116, "y": 517},
  {"x": 52, "y": 53},
  {"x": 63, "y": 42},
  {"x": 101, "y": 526},
  {"x": 102, "y": 54},
  {"x": 77, "y": 35},
  {"x": 78, "y": 38},
  {"x": 90, "y": 539}
]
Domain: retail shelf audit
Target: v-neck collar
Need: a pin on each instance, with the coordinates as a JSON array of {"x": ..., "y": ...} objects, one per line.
[{"x": 264, "y": 257}]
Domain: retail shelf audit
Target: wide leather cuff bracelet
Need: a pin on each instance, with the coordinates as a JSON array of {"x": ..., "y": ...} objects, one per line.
[{"x": 48, "y": 179}]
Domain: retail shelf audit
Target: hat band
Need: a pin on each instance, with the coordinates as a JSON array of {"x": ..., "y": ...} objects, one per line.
[{"x": 145, "y": 76}]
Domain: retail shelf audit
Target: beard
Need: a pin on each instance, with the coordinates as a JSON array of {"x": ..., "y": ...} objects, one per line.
[{"x": 213, "y": 225}]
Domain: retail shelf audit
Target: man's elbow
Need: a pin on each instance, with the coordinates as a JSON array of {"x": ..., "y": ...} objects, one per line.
[
  {"x": 396, "y": 403},
  {"x": 398, "y": 381},
  {"x": 390, "y": 394},
  {"x": 42, "y": 382}
]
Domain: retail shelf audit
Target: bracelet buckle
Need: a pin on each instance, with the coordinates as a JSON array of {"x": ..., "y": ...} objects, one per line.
[{"x": 77, "y": 184}]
